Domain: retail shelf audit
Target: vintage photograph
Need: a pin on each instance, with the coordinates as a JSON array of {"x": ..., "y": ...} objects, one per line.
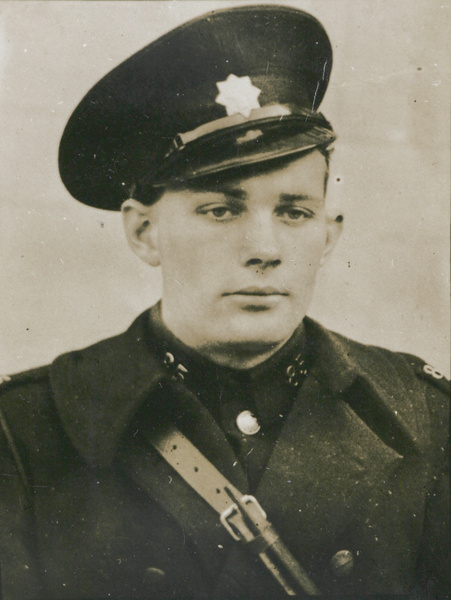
[{"x": 224, "y": 329}]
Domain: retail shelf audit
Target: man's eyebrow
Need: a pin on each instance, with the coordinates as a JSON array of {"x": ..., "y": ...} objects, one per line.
[
  {"x": 289, "y": 198},
  {"x": 233, "y": 192}
]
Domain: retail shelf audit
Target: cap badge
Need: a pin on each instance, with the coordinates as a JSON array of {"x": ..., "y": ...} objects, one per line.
[{"x": 238, "y": 95}]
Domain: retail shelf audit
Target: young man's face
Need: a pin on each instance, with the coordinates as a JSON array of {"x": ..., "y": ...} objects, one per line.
[{"x": 239, "y": 261}]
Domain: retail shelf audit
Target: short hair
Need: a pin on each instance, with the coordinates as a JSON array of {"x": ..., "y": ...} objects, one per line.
[{"x": 149, "y": 194}]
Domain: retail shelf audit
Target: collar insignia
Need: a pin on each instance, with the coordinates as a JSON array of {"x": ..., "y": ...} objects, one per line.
[{"x": 238, "y": 95}]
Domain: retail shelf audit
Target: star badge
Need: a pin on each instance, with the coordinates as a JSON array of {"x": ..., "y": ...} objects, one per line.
[{"x": 238, "y": 95}]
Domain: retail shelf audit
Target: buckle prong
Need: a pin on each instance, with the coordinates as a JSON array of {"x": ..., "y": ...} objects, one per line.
[{"x": 233, "y": 521}]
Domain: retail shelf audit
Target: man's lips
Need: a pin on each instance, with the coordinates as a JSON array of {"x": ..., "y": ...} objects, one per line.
[{"x": 257, "y": 291}]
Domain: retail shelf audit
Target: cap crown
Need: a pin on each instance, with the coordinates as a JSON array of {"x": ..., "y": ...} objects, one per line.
[{"x": 125, "y": 127}]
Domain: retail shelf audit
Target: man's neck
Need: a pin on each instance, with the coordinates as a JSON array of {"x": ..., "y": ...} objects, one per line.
[
  {"x": 232, "y": 355},
  {"x": 239, "y": 356}
]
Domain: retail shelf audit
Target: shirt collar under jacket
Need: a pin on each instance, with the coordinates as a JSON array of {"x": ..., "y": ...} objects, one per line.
[
  {"x": 98, "y": 390},
  {"x": 268, "y": 388}
]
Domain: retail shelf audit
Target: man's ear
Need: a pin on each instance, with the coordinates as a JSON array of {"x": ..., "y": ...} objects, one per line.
[
  {"x": 334, "y": 228},
  {"x": 141, "y": 230}
]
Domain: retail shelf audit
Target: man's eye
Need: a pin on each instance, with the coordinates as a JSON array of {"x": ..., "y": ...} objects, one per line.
[
  {"x": 218, "y": 213},
  {"x": 295, "y": 214}
]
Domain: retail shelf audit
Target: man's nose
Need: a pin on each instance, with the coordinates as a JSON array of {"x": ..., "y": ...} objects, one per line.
[{"x": 262, "y": 247}]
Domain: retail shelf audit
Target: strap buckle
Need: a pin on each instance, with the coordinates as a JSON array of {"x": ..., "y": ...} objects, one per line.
[{"x": 233, "y": 521}]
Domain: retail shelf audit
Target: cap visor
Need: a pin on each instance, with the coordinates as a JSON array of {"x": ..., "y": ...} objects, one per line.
[{"x": 238, "y": 147}]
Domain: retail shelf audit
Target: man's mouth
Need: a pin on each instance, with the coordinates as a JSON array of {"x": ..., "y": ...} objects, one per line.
[{"x": 257, "y": 291}]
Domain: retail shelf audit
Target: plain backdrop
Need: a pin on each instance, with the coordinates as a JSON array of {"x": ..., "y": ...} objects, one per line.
[{"x": 68, "y": 278}]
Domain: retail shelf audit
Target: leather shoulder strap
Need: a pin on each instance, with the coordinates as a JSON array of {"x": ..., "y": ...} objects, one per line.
[
  {"x": 241, "y": 515},
  {"x": 193, "y": 467}
]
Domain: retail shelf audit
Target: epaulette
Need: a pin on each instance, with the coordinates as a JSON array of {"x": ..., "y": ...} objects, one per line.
[
  {"x": 24, "y": 377},
  {"x": 427, "y": 372}
]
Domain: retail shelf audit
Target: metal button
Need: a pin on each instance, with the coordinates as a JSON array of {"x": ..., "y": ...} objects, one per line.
[
  {"x": 342, "y": 563},
  {"x": 247, "y": 423},
  {"x": 153, "y": 575}
]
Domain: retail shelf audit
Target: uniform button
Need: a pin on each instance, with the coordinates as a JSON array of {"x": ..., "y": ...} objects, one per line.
[
  {"x": 342, "y": 563},
  {"x": 247, "y": 423},
  {"x": 152, "y": 575}
]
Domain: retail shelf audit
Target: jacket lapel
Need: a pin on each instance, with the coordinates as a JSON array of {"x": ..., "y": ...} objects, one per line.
[
  {"x": 110, "y": 396},
  {"x": 324, "y": 462},
  {"x": 98, "y": 390},
  {"x": 142, "y": 464},
  {"x": 327, "y": 461},
  {"x": 102, "y": 391},
  {"x": 325, "y": 465},
  {"x": 203, "y": 535}
]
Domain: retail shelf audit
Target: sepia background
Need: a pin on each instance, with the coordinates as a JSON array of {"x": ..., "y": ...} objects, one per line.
[{"x": 68, "y": 278}]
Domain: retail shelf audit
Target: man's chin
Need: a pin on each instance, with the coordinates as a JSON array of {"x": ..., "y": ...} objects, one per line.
[
  {"x": 248, "y": 339},
  {"x": 259, "y": 332},
  {"x": 256, "y": 324},
  {"x": 240, "y": 353}
]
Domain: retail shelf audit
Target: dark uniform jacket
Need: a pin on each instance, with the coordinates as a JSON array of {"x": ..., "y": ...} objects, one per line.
[{"x": 354, "y": 480}]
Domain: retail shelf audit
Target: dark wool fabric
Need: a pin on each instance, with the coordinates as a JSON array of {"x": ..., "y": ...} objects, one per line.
[{"x": 356, "y": 463}]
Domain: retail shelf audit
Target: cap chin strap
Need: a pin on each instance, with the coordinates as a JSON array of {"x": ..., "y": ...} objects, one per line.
[
  {"x": 241, "y": 515},
  {"x": 256, "y": 117},
  {"x": 256, "y": 114}
]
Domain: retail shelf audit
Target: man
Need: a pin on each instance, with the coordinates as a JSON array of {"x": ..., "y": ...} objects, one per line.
[{"x": 119, "y": 460}]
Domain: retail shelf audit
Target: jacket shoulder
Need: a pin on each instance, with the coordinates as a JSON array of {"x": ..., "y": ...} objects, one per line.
[
  {"x": 31, "y": 434},
  {"x": 404, "y": 386},
  {"x": 417, "y": 384},
  {"x": 23, "y": 397},
  {"x": 412, "y": 371},
  {"x": 427, "y": 373},
  {"x": 406, "y": 366},
  {"x": 16, "y": 379},
  {"x": 25, "y": 390}
]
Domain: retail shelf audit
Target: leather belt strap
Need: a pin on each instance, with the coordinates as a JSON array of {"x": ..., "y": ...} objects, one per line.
[
  {"x": 192, "y": 465},
  {"x": 240, "y": 514}
]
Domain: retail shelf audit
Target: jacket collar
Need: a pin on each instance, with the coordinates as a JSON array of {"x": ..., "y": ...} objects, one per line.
[
  {"x": 333, "y": 364},
  {"x": 99, "y": 389},
  {"x": 384, "y": 379}
]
